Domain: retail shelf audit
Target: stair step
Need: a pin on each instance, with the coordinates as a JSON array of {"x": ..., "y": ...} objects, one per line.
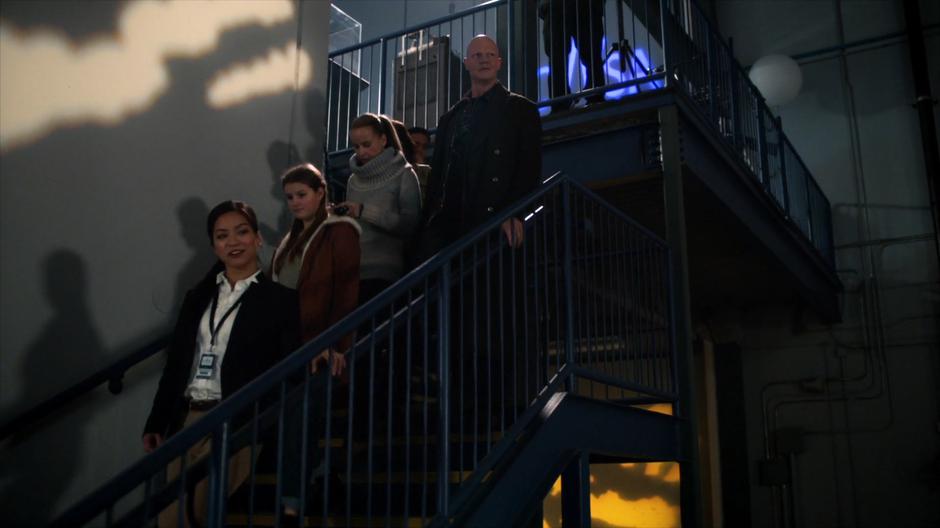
[
  {"x": 463, "y": 450},
  {"x": 267, "y": 519},
  {"x": 398, "y": 477},
  {"x": 380, "y": 440}
]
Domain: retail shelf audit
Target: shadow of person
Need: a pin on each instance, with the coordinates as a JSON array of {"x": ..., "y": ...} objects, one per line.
[
  {"x": 281, "y": 155},
  {"x": 314, "y": 116},
  {"x": 38, "y": 472},
  {"x": 40, "y": 463},
  {"x": 192, "y": 213}
]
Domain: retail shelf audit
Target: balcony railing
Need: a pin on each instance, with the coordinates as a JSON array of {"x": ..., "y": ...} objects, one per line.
[
  {"x": 416, "y": 74},
  {"x": 702, "y": 65}
]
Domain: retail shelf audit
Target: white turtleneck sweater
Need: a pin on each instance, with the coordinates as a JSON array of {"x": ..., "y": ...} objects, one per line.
[{"x": 388, "y": 189}]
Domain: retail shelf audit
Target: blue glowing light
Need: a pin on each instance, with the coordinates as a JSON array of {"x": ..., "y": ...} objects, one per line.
[
  {"x": 640, "y": 68},
  {"x": 574, "y": 60}
]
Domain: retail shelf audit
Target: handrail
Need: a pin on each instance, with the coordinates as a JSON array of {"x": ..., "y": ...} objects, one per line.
[
  {"x": 216, "y": 422},
  {"x": 176, "y": 445},
  {"x": 703, "y": 66},
  {"x": 417, "y": 27},
  {"x": 112, "y": 374}
]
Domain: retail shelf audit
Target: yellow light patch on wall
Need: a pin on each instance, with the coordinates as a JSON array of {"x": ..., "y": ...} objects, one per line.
[
  {"x": 673, "y": 474},
  {"x": 653, "y": 512},
  {"x": 556, "y": 488},
  {"x": 264, "y": 76},
  {"x": 619, "y": 496},
  {"x": 661, "y": 408},
  {"x": 653, "y": 469},
  {"x": 47, "y": 81}
]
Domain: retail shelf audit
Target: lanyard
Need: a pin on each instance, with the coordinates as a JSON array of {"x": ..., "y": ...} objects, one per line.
[{"x": 214, "y": 330}]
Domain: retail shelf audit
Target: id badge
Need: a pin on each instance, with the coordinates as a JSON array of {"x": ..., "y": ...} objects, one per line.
[{"x": 206, "y": 366}]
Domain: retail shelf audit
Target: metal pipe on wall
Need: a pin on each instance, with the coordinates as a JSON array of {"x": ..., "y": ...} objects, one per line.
[
  {"x": 871, "y": 299},
  {"x": 924, "y": 103}
]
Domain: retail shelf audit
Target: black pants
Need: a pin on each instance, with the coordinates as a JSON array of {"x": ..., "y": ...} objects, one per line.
[
  {"x": 582, "y": 21},
  {"x": 294, "y": 445}
]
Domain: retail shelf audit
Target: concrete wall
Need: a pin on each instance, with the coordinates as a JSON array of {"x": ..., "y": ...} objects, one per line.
[
  {"x": 123, "y": 123},
  {"x": 870, "y": 433}
]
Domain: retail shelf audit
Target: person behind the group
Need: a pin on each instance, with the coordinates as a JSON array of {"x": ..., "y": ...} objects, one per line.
[
  {"x": 487, "y": 154},
  {"x": 232, "y": 326},
  {"x": 581, "y": 21},
  {"x": 384, "y": 195},
  {"x": 404, "y": 140},
  {"x": 422, "y": 141},
  {"x": 410, "y": 150},
  {"x": 319, "y": 257}
]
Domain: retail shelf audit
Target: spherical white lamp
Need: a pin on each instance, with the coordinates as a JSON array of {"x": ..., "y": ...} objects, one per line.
[{"x": 778, "y": 78}]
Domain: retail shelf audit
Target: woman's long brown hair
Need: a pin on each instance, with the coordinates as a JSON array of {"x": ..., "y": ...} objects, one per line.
[
  {"x": 381, "y": 125},
  {"x": 297, "y": 238}
]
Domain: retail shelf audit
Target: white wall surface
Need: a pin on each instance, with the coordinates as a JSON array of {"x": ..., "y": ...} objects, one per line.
[{"x": 143, "y": 116}]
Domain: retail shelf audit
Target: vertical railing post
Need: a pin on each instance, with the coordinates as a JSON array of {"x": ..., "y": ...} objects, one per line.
[
  {"x": 666, "y": 45},
  {"x": 576, "y": 493},
  {"x": 380, "y": 106},
  {"x": 733, "y": 72},
  {"x": 620, "y": 37},
  {"x": 711, "y": 72},
  {"x": 830, "y": 241},
  {"x": 217, "y": 476},
  {"x": 763, "y": 172},
  {"x": 809, "y": 204},
  {"x": 782, "y": 156},
  {"x": 329, "y": 110},
  {"x": 568, "y": 220},
  {"x": 443, "y": 365},
  {"x": 510, "y": 44}
]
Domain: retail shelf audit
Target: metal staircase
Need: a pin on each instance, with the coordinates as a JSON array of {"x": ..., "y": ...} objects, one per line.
[{"x": 521, "y": 359}]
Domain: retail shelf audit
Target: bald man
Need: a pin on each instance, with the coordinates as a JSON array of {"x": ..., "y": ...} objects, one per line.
[{"x": 487, "y": 154}]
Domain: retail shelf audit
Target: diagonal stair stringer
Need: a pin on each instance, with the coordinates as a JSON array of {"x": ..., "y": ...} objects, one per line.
[{"x": 565, "y": 427}]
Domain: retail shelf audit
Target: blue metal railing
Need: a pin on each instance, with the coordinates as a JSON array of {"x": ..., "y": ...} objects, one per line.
[
  {"x": 416, "y": 74},
  {"x": 702, "y": 65},
  {"x": 445, "y": 362},
  {"x": 413, "y": 75}
]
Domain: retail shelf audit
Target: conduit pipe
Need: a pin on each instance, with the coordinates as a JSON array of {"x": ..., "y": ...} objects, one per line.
[{"x": 924, "y": 103}]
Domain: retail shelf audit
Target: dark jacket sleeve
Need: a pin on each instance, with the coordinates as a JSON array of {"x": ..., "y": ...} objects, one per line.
[
  {"x": 289, "y": 340},
  {"x": 435, "y": 193},
  {"x": 528, "y": 170},
  {"x": 175, "y": 371},
  {"x": 345, "y": 241}
]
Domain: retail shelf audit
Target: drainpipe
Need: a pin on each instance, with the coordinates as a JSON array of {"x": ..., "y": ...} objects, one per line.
[{"x": 924, "y": 103}]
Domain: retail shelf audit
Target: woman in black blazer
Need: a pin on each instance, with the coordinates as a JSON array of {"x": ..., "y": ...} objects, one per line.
[{"x": 233, "y": 326}]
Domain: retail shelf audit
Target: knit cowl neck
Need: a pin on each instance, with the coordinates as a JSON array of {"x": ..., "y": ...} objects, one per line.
[{"x": 380, "y": 169}]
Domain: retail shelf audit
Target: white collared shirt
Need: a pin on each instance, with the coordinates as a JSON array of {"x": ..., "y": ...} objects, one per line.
[{"x": 200, "y": 389}]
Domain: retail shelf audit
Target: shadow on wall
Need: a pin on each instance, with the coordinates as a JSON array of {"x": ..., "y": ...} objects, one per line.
[
  {"x": 34, "y": 479},
  {"x": 192, "y": 214},
  {"x": 281, "y": 155},
  {"x": 115, "y": 190},
  {"x": 79, "y": 21}
]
